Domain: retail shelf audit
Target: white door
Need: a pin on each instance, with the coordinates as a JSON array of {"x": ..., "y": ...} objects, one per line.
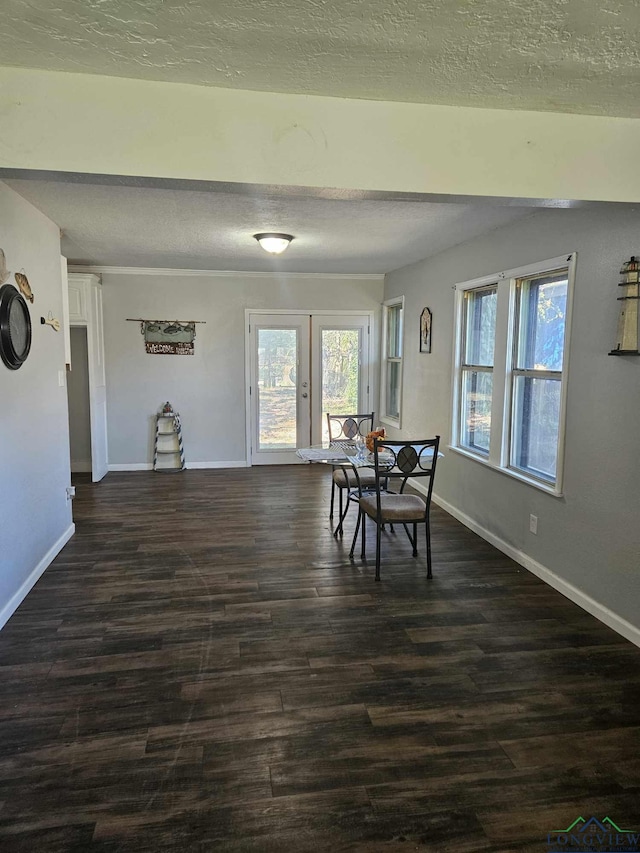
[
  {"x": 340, "y": 345},
  {"x": 279, "y": 387},
  {"x": 302, "y": 366}
]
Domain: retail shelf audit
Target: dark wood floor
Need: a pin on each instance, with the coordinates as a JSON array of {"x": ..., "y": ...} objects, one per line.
[{"x": 202, "y": 668}]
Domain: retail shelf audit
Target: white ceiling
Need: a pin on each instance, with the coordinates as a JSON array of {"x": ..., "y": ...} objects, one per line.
[
  {"x": 186, "y": 229},
  {"x": 558, "y": 55}
]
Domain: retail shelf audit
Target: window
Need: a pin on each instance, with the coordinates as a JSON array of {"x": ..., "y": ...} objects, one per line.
[
  {"x": 391, "y": 380},
  {"x": 536, "y": 378},
  {"x": 478, "y": 344},
  {"x": 509, "y": 383}
]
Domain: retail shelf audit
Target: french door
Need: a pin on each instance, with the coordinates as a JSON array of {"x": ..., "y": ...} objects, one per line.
[{"x": 300, "y": 366}]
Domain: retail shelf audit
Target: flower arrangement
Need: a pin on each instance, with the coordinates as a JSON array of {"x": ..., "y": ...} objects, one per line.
[{"x": 377, "y": 433}]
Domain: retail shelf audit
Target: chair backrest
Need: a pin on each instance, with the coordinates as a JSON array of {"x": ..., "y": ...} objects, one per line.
[
  {"x": 347, "y": 427},
  {"x": 404, "y": 459}
]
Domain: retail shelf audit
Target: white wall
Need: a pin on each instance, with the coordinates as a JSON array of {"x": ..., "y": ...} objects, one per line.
[
  {"x": 78, "y": 396},
  {"x": 35, "y": 516},
  {"x": 208, "y": 387},
  {"x": 590, "y": 538}
]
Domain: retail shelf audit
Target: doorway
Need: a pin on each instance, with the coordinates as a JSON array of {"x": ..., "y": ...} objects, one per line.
[
  {"x": 79, "y": 402},
  {"x": 302, "y": 365},
  {"x": 84, "y": 320}
]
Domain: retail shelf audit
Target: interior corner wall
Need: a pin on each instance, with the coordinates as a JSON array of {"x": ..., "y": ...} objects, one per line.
[
  {"x": 208, "y": 387},
  {"x": 589, "y": 538},
  {"x": 35, "y": 515}
]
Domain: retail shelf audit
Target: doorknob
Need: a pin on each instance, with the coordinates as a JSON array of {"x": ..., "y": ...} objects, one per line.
[{"x": 304, "y": 394}]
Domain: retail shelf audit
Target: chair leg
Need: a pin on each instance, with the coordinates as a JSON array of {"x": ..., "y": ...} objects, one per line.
[
  {"x": 363, "y": 550},
  {"x": 427, "y": 528},
  {"x": 378, "y": 533},
  {"x": 355, "y": 535},
  {"x": 333, "y": 494},
  {"x": 415, "y": 539}
]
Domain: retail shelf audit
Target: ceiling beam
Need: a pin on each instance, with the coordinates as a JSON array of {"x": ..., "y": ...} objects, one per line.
[{"x": 78, "y": 123}]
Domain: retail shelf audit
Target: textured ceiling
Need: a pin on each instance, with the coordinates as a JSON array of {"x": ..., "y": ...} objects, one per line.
[
  {"x": 559, "y": 55},
  {"x": 179, "y": 229}
]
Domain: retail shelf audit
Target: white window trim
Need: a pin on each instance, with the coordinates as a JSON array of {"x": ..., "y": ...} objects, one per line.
[
  {"x": 387, "y": 419},
  {"x": 499, "y": 448}
]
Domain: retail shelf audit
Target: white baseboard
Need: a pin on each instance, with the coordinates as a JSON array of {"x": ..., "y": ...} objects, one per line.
[
  {"x": 612, "y": 620},
  {"x": 242, "y": 463},
  {"x": 16, "y": 600},
  {"x": 147, "y": 466},
  {"x": 131, "y": 466}
]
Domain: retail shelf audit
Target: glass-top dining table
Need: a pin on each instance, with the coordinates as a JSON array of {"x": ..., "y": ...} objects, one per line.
[
  {"x": 348, "y": 453},
  {"x": 350, "y": 456},
  {"x": 334, "y": 453}
]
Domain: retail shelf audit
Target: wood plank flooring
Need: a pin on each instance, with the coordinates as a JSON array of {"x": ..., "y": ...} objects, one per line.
[{"x": 202, "y": 668}]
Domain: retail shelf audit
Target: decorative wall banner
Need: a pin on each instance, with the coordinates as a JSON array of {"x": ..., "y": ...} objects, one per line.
[{"x": 168, "y": 337}]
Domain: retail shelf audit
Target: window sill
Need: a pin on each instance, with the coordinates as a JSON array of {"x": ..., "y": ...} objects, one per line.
[
  {"x": 515, "y": 475},
  {"x": 390, "y": 422}
]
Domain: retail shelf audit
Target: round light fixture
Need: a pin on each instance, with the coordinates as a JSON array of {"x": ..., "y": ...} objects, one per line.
[{"x": 273, "y": 243}]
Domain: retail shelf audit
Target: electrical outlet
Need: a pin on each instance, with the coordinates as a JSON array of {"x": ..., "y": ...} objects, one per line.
[
  {"x": 533, "y": 523},
  {"x": 71, "y": 492}
]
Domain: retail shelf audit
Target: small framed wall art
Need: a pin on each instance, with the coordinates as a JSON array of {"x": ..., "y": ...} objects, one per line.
[{"x": 425, "y": 330}]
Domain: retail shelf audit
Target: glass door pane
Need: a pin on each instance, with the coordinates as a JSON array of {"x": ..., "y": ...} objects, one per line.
[
  {"x": 277, "y": 394},
  {"x": 340, "y": 373}
]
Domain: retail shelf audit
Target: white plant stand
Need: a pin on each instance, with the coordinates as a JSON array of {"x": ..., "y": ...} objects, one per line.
[{"x": 168, "y": 444}]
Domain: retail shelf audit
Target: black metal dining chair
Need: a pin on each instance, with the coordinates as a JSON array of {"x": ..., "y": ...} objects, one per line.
[
  {"x": 345, "y": 429},
  {"x": 399, "y": 460}
]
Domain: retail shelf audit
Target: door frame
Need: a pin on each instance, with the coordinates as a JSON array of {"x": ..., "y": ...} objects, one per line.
[
  {"x": 93, "y": 322},
  {"x": 370, "y": 372}
]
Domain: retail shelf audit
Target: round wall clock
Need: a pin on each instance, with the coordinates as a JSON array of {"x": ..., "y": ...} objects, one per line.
[{"x": 15, "y": 327}]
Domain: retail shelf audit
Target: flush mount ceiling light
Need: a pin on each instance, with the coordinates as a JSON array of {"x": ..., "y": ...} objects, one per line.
[{"x": 273, "y": 243}]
